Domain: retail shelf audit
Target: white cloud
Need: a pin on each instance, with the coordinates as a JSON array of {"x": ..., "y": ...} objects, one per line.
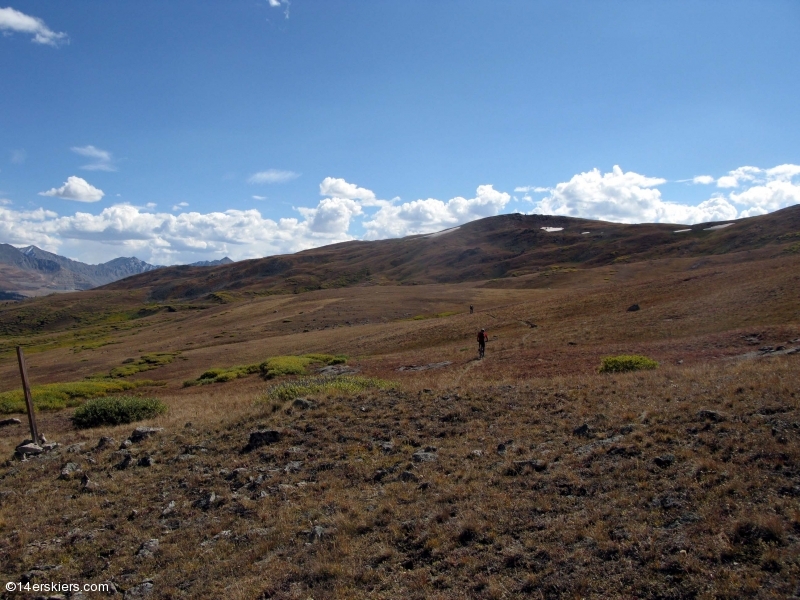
[
  {"x": 102, "y": 160},
  {"x": 259, "y": 197},
  {"x": 277, "y": 4},
  {"x": 18, "y": 156},
  {"x": 626, "y": 198},
  {"x": 180, "y": 205},
  {"x": 738, "y": 176},
  {"x": 525, "y": 189},
  {"x": 273, "y": 176},
  {"x": 15, "y": 21},
  {"x": 76, "y": 188},
  {"x": 5, "y": 202},
  {"x": 703, "y": 180},
  {"x": 427, "y": 216},
  {"x": 151, "y": 205},
  {"x": 339, "y": 188}
]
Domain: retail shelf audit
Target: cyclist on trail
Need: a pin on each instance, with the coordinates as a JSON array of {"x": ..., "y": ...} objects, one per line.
[{"x": 482, "y": 339}]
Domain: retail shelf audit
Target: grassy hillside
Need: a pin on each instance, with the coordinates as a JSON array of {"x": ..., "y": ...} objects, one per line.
[{"x": 412, "y": 469}]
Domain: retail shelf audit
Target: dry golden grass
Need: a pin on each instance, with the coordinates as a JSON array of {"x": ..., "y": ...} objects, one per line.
[{"x": 654, "y": 498}]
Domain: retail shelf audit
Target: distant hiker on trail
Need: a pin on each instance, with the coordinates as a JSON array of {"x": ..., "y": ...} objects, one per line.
[
  {"x": 470, "y": 309},
  {"x": 482, "y": 339}
]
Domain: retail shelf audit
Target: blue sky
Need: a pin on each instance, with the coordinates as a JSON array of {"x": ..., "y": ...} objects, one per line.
[{"x": 190, "y": 130}]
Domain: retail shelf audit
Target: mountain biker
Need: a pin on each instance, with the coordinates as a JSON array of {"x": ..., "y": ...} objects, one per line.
[{"x": 482, "y": 339}]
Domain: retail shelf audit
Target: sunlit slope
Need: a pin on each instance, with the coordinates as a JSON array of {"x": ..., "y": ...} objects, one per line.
[{"x": 496, "y": 247}]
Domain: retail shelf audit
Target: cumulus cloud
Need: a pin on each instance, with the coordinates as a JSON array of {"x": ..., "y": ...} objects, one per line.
[
  {"x": 626, "y": 197},
  {"x": 703, "y": 180},
  {"x": 180, "y": 205},
  {"x": 339, "y": 188},
  {"x": 15, "y": 21},
  {"x": 101, "y": 159},
  {"x": 273, "y": 176},
  {"x": 76, "y": 188},
  {"x": 427, "y": 216}
]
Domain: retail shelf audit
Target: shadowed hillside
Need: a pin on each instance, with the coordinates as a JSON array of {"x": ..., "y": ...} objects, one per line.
[{"x": 496, "y": 247}]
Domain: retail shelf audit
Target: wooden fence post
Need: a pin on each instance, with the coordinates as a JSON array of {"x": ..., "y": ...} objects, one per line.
[{"x": 26, "y": 389}]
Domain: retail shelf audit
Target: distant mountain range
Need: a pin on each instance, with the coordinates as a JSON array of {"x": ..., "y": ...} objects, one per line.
[{"x": 31, "y": 271}]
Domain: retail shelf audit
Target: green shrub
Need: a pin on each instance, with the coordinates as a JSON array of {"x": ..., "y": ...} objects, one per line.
[
  {"x": 145, "y": 363},
  {"x": 270, "y": 368},
  {"x": 346, "y": 384},
  {"x": 54, "y": 396},
  {"x": 626, "y": 362},
  {"x": 117, "y": 410},
  {"x": 284, "y": 365}
]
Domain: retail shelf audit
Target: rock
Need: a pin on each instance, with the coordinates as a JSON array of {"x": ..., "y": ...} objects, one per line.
[
  {"x": 476, "y": 453},
  {"x": 206, "y": 502},
  {"x": 142, "y": 433},
  {"x": 146, "y": 461},
  {"x": 69, "y": 471},
  {"x": 710, "y": 415},
  {"x": 664, "y": 461},
  {"x": 536, "y": 465},
  {"x": 633, "y": 308},
  {"x": 262, "y": 437},
  {"x": 148, "y": 548},
  {"x": 49, "y": 447},
  {"x": 501, "y": 449},
  {"x": 75, "y": 448},
  {"x": 379, "y": 475},
  {"x": 170, "y": 508},
  {"x": 88, "y": 486},
  {"x": 293, "y": 466},
  {"x": 408, "y": 476},
  {"x": 124, "y": 463},
  {"x": 333, "y": 370},
  {"x": 439, "y": 365},
  {"x": 105, "y": 442},
  {"x": 29, "y": 449},
  {"x": 423, "y": 456},
  {"x": 9, "y": 422},
  {"x": 317, "y": 533},
  {"x": 302, "y": 404},
  {"x": 125, "y": 444},
  {"x": 582, "y": 431},
  {"x": 143, "y": 590}
]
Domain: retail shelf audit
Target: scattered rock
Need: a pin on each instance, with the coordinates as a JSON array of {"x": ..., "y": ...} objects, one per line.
[
  {"x": 536, "y": 465},
  {"x": 439, "y": 365},
  {"x": 170, "y": 508},
  {"x": 664, "y": 461},
  {"x": 9, "y": 422},
  {"x": 293, "y": 466},
  {"x": 582, "y": 431},
  {"x": 710, "y": 415},
  {"x": 207, "y": 501},
  {"x": 333, "y": 370},
  {"x": 124, "y": 463},
  {"x": 146, "y": 461},
  {"x": 476, "y": 453},
  {"x": 69, "y": 471},
  {"x": 88, "y": 486},
  {"x": 105, "y": 442},
  {"x": 28, "y": 449},
  {"x": 633, "y": 308},
  {"x": 317, "y": 533},
  {"x": 75, "y": 448},
  {"x": 408, "y": 476},
  {"x": 387, "y": 447},
  {"x": 143, "y": 590},
  {"x": 302, "y": 404},
  {"x": 125, "y": 444},
  {"x": 262, "y": 437},
  {"x": 424, "y": 456},
  {"x": 142, "y": 433},
  {"x": 148, "y": 548}
]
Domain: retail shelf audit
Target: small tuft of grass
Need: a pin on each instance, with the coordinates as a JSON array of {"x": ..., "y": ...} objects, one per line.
[
  {"x": 117, "y": 410},
  {"x": 55, "y": 396},
  {"x": 344, "y": 384},
  {"x": 146, "y": 362},
  {"x": 276, "y": 366},
  {"x": 626, "y": 362}
]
